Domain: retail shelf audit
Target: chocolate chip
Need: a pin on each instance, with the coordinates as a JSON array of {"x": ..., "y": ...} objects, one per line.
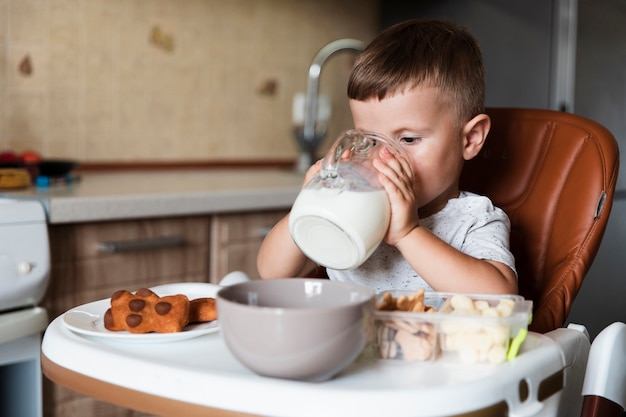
[
  {"x": 162, "y": 308},
  {"x": 108, "y": 319},
  {"x": 118, "y": 294},
  {"x": 133, "y": 320},
  {"x": 143, "y": 292},
  {"x": 136, "y": 305}
]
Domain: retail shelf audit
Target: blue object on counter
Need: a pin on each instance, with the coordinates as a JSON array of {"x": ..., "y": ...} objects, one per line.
[{"x": 44, "y": 182}]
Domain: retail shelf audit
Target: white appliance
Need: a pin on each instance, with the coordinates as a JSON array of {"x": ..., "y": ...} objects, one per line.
[{"x": 24, "y": 275}]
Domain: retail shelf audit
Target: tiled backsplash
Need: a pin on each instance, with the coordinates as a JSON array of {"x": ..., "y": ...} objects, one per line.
[{"x": 168, "y": 80}]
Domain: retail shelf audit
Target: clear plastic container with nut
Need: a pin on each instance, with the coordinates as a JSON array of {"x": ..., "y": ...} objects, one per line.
[
  {"x": 406, "y": 327},
  {"x": 458, "y": 328},
  {"x": 483, "y": 328}
]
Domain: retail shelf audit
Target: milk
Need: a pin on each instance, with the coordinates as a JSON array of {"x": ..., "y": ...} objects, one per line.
[{"x": 338, "y": 228}]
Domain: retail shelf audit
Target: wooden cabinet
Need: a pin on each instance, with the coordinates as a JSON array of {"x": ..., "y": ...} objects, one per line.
[{"x": 235, "y": 241}]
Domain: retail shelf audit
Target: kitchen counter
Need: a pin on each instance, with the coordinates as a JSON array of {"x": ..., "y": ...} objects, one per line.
[{"x": 132, "y": 195}]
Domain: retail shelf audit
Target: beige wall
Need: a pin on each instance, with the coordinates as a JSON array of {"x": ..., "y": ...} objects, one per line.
[{"x": 102, "y": 88}]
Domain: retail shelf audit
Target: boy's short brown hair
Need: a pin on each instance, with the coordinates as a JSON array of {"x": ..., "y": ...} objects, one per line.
[{"x": 422, "y": 52}]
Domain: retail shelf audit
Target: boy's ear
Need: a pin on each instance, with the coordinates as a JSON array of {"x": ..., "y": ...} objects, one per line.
[{"x": 474, "y": 135}]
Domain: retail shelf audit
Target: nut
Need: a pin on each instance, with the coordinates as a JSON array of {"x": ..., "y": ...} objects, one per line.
[{"x": 409, "y": 340}]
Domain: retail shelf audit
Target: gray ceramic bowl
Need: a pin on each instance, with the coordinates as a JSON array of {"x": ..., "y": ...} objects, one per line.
[{"x": 296, "y": 328}]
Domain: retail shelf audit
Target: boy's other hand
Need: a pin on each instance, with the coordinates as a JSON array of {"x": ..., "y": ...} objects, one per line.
[{"x": 396, "y": 176}]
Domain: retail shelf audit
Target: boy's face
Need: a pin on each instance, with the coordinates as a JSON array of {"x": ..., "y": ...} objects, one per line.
[{"x": 428, "y": 129}]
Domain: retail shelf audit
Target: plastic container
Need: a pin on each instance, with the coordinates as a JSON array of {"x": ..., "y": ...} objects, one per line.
[{"x": 465, "y": 328}]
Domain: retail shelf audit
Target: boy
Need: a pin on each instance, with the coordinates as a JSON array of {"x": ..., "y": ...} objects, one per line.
[{"x": 421, "y": 83}]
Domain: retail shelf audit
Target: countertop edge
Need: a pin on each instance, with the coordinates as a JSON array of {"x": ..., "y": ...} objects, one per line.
[
  {"x": 121, "y": 196},
  {"x": 79, "y": 210}
]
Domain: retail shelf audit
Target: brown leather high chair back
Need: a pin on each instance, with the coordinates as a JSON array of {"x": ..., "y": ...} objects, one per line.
[{"x": 554, "y": 174}]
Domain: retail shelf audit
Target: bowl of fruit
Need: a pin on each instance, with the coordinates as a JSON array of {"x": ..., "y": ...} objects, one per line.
[{"x": 35, "y": 165}]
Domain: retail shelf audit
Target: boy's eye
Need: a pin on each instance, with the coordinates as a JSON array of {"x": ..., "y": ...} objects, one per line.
[{"x": 409, "y": 139}]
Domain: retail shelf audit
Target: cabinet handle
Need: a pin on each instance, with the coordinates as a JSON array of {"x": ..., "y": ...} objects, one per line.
[{"x": 141, "y": 244}]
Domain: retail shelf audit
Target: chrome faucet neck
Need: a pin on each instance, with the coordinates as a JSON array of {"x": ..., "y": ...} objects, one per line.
[{"x": 311, "y": 102}]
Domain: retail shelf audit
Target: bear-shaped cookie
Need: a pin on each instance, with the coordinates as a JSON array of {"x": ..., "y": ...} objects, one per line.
[{"x": 145, "y": 312}]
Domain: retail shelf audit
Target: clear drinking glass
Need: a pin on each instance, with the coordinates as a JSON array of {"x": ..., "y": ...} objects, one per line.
[{"x": 340, "y": 217}]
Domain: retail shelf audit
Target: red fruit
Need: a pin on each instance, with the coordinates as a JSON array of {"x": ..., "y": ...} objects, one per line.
[
  {"x": 30, "y": 157},
  {"x": 9, "y": 156}
]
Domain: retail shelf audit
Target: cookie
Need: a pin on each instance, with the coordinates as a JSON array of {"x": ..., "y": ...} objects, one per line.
[
  {"x": 145, "y": 312},
  {"x": 202, "y": 309}
]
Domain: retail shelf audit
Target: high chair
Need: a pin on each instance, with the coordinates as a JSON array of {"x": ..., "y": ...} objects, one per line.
[
  {"x": 604, "y": 387},
  {"x": 554, "y": 174}
]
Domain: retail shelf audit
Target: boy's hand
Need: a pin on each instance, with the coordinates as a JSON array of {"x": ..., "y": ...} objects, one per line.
[{"x": 396, "y": 176}]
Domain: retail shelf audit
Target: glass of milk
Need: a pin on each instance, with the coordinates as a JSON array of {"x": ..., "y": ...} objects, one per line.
[{"x": 342, "y": 214}]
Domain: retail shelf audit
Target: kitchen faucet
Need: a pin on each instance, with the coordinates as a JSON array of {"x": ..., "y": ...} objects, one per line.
[{"x": 308, "y": 136}]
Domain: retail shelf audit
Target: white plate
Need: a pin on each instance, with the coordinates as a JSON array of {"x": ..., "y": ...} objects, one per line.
[{"x": 87, "y": 319}]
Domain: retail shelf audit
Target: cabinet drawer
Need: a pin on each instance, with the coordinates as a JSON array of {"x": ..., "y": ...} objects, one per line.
[
  {"x": 235, "y": 241},
  {"x": 78, "y": 241},
  {"x": 243, "y": 227},
  {"x": 84, "y": 270}
]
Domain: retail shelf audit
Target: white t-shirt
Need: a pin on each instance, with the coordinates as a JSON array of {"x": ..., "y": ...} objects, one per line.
[{"x": 469, "y": 223}]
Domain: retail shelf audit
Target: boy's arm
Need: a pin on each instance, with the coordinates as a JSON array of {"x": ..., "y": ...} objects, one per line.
[
  {"x": 280, "y": 257},
  {"x": 449, "y": 270},
  {"x": 444, "y": 267}
]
